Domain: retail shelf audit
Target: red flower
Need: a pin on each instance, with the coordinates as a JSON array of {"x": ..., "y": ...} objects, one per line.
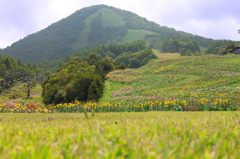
[{"x": 33, "y": 107}]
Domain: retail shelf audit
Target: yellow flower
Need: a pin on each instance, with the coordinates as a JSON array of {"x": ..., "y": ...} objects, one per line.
[{"x": 166, "y": 102}]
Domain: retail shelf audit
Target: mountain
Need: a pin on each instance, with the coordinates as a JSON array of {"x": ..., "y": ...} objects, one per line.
[{"x": 89, "y": 27}]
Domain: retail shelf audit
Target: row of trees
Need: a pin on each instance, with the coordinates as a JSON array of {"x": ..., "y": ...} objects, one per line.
[
  {"x": 132, "y": 55},
  {"x": 183, "y": 45},
  {"x": 137, "y": 59},
  {"x": 112, "y": 50},
  {"x": 220, "y": 46},
  {"x": 103, "y": 51},
  {"x": 8, "y": 65}
]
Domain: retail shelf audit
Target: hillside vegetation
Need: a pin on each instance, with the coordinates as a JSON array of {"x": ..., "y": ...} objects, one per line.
[
  {"x": 122, "y": 54},
  {"x": 210, "y": 79},
  {"x": 220, "y": 46},
  {"x": 13, "y": 72},
  {"x": 90, "y": 27}
]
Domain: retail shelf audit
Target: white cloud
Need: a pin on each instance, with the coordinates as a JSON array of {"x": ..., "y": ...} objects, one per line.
[
  {"x": 224, "y": 28},
  {"x": 9, "y": 35}
]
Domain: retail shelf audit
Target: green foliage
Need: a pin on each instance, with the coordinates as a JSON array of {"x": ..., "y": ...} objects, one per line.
[
  {"x": 184, "y": 46},
  {"x": 100, "y": 34},
  {"x": 75, "y": 80},
  {"x": 142, "y": 57},
  {"x": 90, "y": 27},
  {"x": 12, "y": 70},
  {"x": 107, "y": 64},
  {"x": 220, "y": 46},
  {"x": 230, "y": 48},
  {"x": 134, "y": 63},
  {"x": 134, "y": 35},
  {"x": 121, "y": 53}
]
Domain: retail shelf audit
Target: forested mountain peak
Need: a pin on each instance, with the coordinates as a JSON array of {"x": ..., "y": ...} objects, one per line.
[{"x": 90, "y": 27}]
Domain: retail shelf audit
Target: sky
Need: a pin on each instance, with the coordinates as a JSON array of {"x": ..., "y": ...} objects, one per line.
[{"x": 216, "y": 19}]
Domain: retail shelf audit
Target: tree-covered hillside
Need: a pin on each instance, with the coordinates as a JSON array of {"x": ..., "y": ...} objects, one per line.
[
  {"x": 90, "y": 27},
  {"x": 184, "y": 46},
  {"x": 220, "y": 46},
  {"x": 8, "y": 65},
  {"x": 12, "y": 70},
  {"x": 122, "y": 54}
]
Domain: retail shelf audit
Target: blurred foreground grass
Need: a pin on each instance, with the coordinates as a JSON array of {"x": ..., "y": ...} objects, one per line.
[{"x": 123, "y": 135}]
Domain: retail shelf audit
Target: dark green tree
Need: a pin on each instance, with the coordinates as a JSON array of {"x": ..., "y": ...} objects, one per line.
[
  {"x": 107, "y": 64},
  {"x": 230, "y": 48},
  {"x": 134, "y": 63},
  {"x": 75, "y": 80},
  {"x": 179, "y": 45}
]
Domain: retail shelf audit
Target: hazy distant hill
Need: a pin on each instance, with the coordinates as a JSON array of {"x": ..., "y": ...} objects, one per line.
[{"x": 88, "y": 28}]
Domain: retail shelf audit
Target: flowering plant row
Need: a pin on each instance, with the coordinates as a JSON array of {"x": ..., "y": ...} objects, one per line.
[{"x": 157, "y": 105}]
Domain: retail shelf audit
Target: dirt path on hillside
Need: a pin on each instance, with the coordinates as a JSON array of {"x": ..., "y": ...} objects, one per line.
[{"x": 12, "y": 103}]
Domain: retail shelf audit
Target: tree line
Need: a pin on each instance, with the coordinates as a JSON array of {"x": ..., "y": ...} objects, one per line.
[
  {"x": 180, "y": 45},
  {"x": 122, "y": 53},
  {"x": 12, "y": 70},
  {"x": 221, "y": 46}
]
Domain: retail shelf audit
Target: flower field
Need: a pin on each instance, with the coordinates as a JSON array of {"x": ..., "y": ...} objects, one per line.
[
  {"x": 157, "y": 105},
  {"x": 136, "y": 116},
  {"x": 120, "y": 135},
  {"x": 211, "y": 82}
]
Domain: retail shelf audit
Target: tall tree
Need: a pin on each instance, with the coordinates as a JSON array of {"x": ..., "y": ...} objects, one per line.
[{"x": 74, "y": 80}]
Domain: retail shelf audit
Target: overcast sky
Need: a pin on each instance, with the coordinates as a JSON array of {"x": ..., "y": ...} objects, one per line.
[{"x": 217, "y": 19}]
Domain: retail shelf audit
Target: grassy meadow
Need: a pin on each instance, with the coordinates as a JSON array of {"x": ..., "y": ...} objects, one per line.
[
  {"x": 120, "y": 135},
  {"x": 136, "y": 116}
]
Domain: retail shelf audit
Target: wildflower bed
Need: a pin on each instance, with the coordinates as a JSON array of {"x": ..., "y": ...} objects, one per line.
[
  {"x": 210, "y": 81},
  {"x": 162, "y": 105}
]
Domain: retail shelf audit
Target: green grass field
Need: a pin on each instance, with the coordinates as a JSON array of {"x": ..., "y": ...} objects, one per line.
[
  {"x": 213, "y": 81},
  {"x": 133, "y": 35},
  {"x": 165, "y": 56},
  {"x": 121, "y": 135}
]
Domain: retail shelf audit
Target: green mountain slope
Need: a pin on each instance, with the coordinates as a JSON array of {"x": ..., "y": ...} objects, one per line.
[{"x": 88, "y": 28}]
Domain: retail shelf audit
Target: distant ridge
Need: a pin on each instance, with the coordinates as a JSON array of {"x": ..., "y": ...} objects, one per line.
[{"x": 89, "y": 27}]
